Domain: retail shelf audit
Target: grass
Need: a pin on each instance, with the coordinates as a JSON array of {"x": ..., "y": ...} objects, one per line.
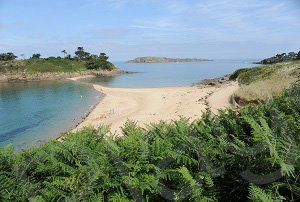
[
  {"x": 261, "y": 83},
  {"x": 43, "y": 65},
  {"x": 54, "y": 65}
]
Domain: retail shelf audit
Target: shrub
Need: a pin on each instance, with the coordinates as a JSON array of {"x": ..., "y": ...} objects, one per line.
[{"x": 252, "y": 153}]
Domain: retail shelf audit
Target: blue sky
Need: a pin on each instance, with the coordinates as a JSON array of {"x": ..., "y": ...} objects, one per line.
[{"x": 126, "y": 29}]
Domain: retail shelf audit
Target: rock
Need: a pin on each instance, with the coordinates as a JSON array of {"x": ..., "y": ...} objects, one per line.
[{"x": 217, "y": 82}]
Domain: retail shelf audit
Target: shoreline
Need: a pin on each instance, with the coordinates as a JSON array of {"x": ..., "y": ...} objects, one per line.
[
  {"x": 87, "y": 113},
  {"x": 150, "y": 105},
  {"x": 50, "y": 76},
  {"x": 81, "y": 119}
]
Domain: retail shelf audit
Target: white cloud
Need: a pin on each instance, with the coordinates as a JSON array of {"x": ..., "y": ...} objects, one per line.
[
  {"x": 168, "y": 25},
  {"x": 225, "y": 18}
]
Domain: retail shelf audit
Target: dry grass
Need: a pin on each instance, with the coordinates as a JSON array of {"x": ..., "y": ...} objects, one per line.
[{"x": 273, "y": 85}]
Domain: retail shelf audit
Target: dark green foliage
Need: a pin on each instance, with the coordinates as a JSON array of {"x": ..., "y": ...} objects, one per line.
[
  {"x": 280, "y": 58},
  {"x": 81, "y": 62},
  {"x": 80, "y": 54},
  {"x": 65, "y": 53},
  {"x": 7, "y": 56},
  {"x": 95, "y": 62},
  {"x": 251, "y": 154},
  {"x": 36, "y": 56}
]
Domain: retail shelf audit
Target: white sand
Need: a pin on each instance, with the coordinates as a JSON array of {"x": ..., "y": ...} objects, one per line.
[{"x": 148, "y": 105}]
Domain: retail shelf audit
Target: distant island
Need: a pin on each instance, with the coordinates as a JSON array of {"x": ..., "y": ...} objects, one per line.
[{"x": 165, "y": 59}]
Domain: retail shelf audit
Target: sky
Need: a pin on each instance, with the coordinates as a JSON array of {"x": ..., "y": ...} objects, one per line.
[{"x": 125, "y": 29}]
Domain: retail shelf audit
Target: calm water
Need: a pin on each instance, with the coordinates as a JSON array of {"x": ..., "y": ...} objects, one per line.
[
  {"x": 171, "y": 74},
  {"x": 36, "y": 111}
]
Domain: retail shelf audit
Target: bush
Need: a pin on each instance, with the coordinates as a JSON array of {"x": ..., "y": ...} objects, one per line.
[
  {"x": 7, "y": 56},
  {"x": 237, "y": 73},
  {"x": 99, "y": 64},
  {"x": 234, "y": 156}
]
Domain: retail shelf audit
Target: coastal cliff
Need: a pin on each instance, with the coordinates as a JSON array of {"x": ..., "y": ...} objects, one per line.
[{"x": 164, "y": 59}]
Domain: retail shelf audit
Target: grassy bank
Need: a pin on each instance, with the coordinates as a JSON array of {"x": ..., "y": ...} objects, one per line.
[
  {"x": 251, "y": 154},
  {"x": 32, "y": 66},
  {"x": 261, "y": 83}
]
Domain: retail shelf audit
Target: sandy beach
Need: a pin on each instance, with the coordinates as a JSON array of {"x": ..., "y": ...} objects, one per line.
[{"x": 150, "y": 105}]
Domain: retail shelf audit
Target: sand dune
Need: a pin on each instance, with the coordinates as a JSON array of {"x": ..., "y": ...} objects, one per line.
[{"x": 147, "y": 105}]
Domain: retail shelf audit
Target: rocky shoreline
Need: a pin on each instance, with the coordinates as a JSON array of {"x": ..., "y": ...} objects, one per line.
[
  {"x": 218, "y": 83},
  {"x": 215, "y": 82},
  {"x": 25, "y": 77}
]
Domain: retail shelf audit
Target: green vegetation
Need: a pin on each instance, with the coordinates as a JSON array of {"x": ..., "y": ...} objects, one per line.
[
  {"x": 51, "y": 64},
  {"x": 36, "y": 56},
  {"x": 261, "y": 83},
  {"x": 99, "y": 62},
  {"x": 80, "y": 62},
  {"x": 281, "y": 58},
  {"x": 251, "y": 154},
  {"x": 7, "y": 56}
]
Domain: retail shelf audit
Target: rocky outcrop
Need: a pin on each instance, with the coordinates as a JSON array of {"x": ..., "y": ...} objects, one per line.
[
  {"x": 23, "y": 76},
  {"x": 216, "y": 82},
  {"x": 164, "y": 59}
]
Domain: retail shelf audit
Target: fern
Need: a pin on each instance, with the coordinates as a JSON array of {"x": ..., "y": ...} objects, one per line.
[
  {"x": 183, "y": 161},
  {"x": 259, "y": 195}
]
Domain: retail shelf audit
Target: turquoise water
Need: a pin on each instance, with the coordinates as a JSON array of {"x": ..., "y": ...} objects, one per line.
[
  {"x": 33, "y": 112},
  {"x": 171, "y": 74}
]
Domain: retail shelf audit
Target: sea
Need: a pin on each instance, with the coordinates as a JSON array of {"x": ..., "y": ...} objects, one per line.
[{"x": 34, "y": 112}]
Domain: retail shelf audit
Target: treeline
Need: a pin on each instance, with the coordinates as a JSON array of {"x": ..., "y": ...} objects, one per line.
[
  {"x": 92, "y": 61},
  {"x": 281, "y": 58},
  {"x": 250, "y": 154},
  {"x": 7, "y": 56}
]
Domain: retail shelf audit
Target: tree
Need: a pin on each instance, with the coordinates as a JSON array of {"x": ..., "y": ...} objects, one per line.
[
  {"x": 23, "y": 56},
  {"x": 7, "y": 56},
  {"x": 99, "y": 62},
  {"x": 64, "y": 52},
  {"x": 80, "y": 54},
  {"x": 36, "y": 56},
  {"x": 103, "y": 56},
  {"x": 298, "y": 56}
]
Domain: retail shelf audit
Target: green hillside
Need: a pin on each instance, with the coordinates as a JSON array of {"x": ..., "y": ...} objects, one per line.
[{"x": 261, "y": 83}]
